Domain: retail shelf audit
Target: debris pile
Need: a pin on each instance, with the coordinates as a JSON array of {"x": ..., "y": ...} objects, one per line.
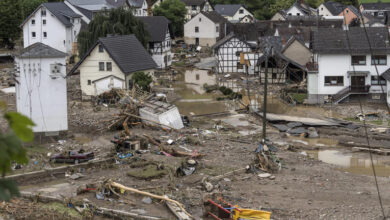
[{"x": 265, "y": 158}]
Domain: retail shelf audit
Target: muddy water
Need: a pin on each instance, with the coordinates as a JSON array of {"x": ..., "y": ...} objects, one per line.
[
  {"x": 194, "y": 99},
  {"x": 356, "y": 163}
]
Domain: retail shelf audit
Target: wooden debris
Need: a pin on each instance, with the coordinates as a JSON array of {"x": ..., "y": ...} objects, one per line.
[{"x": 177, "y": 211}]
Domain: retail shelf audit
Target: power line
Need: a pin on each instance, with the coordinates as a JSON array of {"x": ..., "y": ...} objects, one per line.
[{"x": 362, "y": 112}]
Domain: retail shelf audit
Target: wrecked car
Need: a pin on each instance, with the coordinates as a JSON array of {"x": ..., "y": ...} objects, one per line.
[{"x": 72, "y": 157}]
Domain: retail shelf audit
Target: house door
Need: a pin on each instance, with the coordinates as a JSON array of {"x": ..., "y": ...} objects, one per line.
[
  {"x": 197, "y": 41},
  {"x": 358, "y": 83}
]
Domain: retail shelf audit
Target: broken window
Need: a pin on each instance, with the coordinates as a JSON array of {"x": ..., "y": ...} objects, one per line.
[
  {"x": 334, "y": 80},
  {"x": 379, "y": 60},
  {"x": 101, "y": 66},
  {"x": 358, "y": 60}
]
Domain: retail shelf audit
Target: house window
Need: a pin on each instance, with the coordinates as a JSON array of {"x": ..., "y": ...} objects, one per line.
[
  {"x": 379, "y": 60},
  {"x": 196, "y": 29},
  {"x": 217, "y": 29},
  {"x": 206, "y": 8},
  {"x": 238, "y": 53},
  {"x": 298, "y": 14},
  {"x": 44, "y": 34},
  {"x": 347, "y": 10},
  {"x": 358, "y": 60},
  {"x": 101, "y": 50},
  {"x": 322, "y": 9},
  {"x": 33, "y": 21},
  {"x": 334, "y": 80},
  {"x": 43, "y": 12},
  {"x": 200, "y": 19},
  {"x": 240, "y": 66},
  {"x": 241, "y": 11},
  {"x": 74, "y": 33},
  {"x": 197, "y": 76},
  {"x": 89, "y": 82},
  {"x": 151, "y": 45},
  {"x": 33, "y": 34},
  {"x": 193, "y": 7},
  {"x": 101, "y": 66},
  {"x": 109, "y": 66},
  {"x": 380, "y": 13},
  {"x": 44, "y": 21},
  {"x": 274, "y": 75},
  {"x": 376, "y": 81}
]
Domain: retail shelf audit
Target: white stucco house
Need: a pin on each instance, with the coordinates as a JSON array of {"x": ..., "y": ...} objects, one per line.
[
  {"x": 233, "y": 13},
  {"x": 160, "y": 39},
  {"x": 300, "y": 8},
  {"x": 53, "y": 24},
  {"x": 377, "y": 9},
  {"x": 110, "y": 63},
  {"x": 340, "y": 73},
  {"x": 41, "y": 91},
  {"x": 205, "y": 29},
  {"x": 330, "y": 8}
]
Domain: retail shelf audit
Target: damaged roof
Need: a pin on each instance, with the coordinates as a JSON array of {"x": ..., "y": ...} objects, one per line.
[
  {"x": 126, "y": 51},
  {"x": 335, "y": 41},
  {"x": 40, "y": 50},
  {"x": 157, "y": 26}
]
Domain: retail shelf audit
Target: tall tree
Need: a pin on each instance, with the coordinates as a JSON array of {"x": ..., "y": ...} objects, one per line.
[
  {"x": 10, "y": 19},
  {"x": 115, "y": 21},
  {"x": 175, "y": 11}
]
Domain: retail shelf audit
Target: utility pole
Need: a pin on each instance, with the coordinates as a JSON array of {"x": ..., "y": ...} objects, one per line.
[{"x": 265, "y": 97}]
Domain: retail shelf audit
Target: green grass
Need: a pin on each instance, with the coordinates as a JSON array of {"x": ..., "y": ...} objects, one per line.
[
  {"x": 180, "y": 63},
  {"x": 375, "y": 122},
  {"x": 299, "y": 97}
]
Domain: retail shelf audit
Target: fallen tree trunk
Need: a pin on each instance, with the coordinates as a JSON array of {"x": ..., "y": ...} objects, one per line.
[{"x": 120, "y": 186}]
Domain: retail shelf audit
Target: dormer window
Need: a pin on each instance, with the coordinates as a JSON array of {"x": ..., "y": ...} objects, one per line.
[
  {"x": 33, "y": 21},
  {"x": 43, "y": 12}
]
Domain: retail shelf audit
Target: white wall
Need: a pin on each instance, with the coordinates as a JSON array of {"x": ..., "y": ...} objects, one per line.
[
  {"x": 58, "y": 36},
  {"x": 388, "y": 92},
  {"x": 159, "y": 54},
  {"x": 339, "y": 65},
  {"x": 89, "y": 70},
  {"x": 294, "y": 11},
  {"x": 323, "y": 11},
  {"x": 238, "y": 16},
  {"x": 40, "y": 97},
  {"x": 227, "y": 57},
  {"x": 207, "y": 28},
  {"x": 107, "y": 84}
]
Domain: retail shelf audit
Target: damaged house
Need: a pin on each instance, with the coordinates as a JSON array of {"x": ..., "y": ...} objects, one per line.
[
  {"x": 344, "y": 67},
  {"x": 110, "y": 63}
]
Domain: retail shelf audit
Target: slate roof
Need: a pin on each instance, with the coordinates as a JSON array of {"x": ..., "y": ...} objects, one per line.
[
  {"x": 117, "y": 3},
  {"x": 227, "y": 38},
  {"x": 40, "y": 50},
  {"x": 380, "y": 6},
  {"x": 59, "y": 9},
  {"x": 227, "y": 10},
  {"x": 91, "y": 5},
  {"x": 194, "y": 2},
  {"x": 305, "y": 8},
  {"x": 334, "y": 41},
  {"x": 250, "y": 31},
  {"x": 126, "y": 51},
  {"x": 85, "y": 12},
  {"x": 215, "y": 17},
  {"x": 334, "y": 7},
  {"x": 135, "y": 3},
  {"x": 386, "y": 75},
  {"x": 301, "y": 33},
  {"x": 157, "y": 27},
  {"x": 354, "y": 10}
]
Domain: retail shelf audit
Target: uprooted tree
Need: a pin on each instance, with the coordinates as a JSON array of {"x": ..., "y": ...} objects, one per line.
[
  {"x": 11, "y": 149},
  {"x": 115, "y": 21}
]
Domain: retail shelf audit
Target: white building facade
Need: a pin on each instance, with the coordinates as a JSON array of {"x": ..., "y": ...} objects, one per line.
[
  {"x": 339, "y": 75},
  {"x": 41, "y": 91},
  {"x": 53, "y": 24}
]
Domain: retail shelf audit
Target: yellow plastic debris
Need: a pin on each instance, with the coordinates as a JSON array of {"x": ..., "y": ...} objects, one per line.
[
  {"x": 122, "y": 191},
  {"x": 251, "y": 214}
]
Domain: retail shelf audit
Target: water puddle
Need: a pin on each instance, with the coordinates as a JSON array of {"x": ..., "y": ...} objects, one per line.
[
  {"x": 356, "y": 163},
  {"x": 194, "y": 99}
]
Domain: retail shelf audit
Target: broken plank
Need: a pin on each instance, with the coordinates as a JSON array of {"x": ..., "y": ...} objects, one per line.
[{"x": 177, "y": 211}]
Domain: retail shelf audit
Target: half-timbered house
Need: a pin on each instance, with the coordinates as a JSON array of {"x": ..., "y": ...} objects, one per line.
[{"x": 160, "y": 39}]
